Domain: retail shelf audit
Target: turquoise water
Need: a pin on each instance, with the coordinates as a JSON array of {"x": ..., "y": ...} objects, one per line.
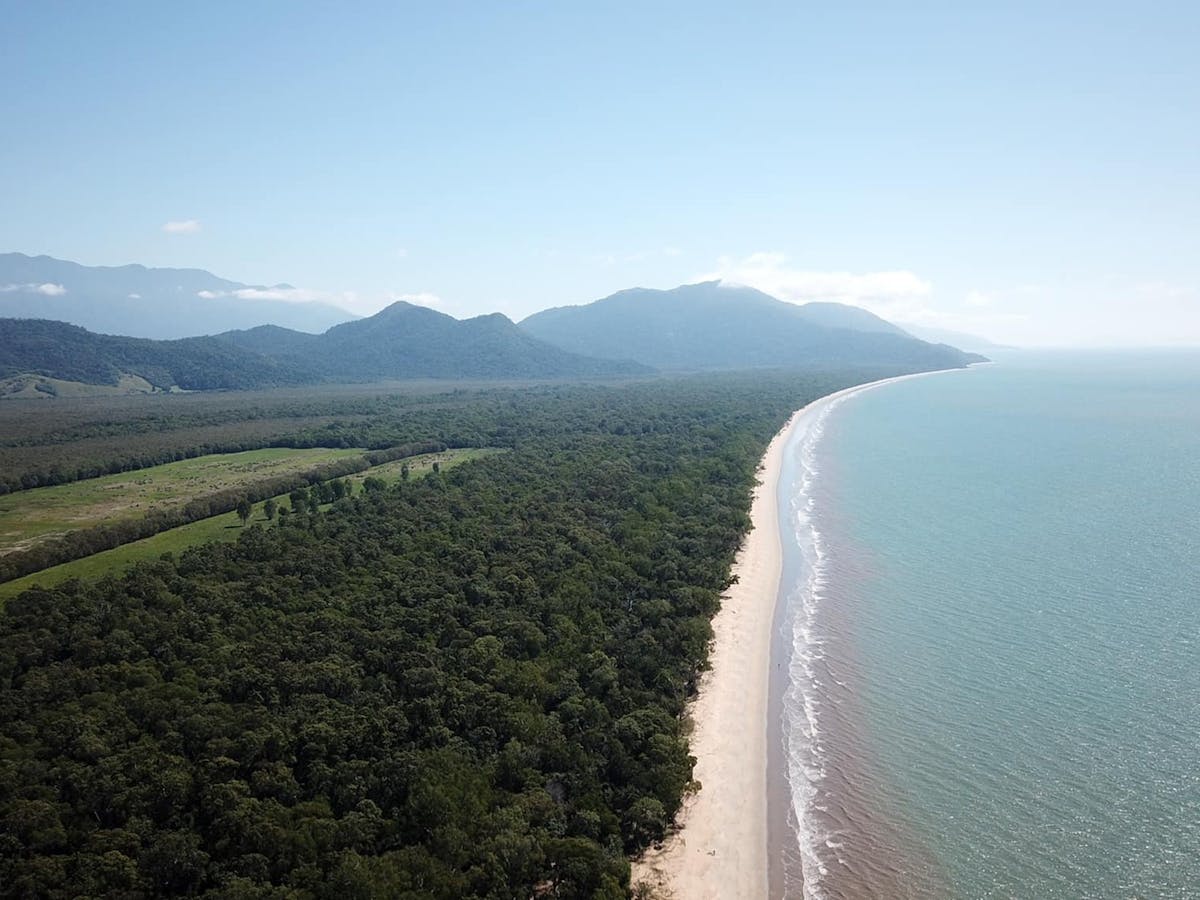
[{"x": 1010, "y": 582}]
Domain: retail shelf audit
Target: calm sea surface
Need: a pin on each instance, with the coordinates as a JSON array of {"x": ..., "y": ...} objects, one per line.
[{"x": 992, "y": 610}]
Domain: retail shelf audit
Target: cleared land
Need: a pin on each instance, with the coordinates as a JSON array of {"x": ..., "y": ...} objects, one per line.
[
  {"x": 28, "y": 517},
  {"x": 421, "y": 465},
  {"x": 224, "y": 527}
]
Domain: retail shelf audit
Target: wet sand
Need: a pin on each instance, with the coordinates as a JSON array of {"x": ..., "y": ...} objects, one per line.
[
  {"x": 730, "y": 842},
  {"x": 720, "y": 850}
]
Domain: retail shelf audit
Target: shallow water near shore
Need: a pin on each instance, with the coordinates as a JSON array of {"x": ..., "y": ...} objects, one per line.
[{"x": 987, "y": 662}]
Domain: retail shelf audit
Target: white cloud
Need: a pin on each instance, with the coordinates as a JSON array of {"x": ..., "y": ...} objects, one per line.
[
  {"x": 135, "y": 296},
  {"x": 46, "y": 290},
  {"x": 290, "y": 295},
  {"x": 347, "y": 300},
  {"x": 896, "y": 295},
  {"x": 286, "y": 294},
  {"x": 891, "y": 294},
  {"x": 181, "y": 226}
]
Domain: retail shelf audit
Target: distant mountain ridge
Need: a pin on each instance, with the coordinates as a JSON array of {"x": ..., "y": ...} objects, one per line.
[
  {"x": 706, "y": 326},
  {"x": 712, "y": 325},
  {"x": 402, "y": 341},
  {"x": 62, "y": 351},
  {"x": 960, "y": 339},
  {"x": 164, "y": 304},
  {"x": 409, "y": 341}
]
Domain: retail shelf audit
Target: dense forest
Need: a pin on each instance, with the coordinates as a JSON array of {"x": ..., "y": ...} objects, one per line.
[
  {"x": 72, "y": 439},
  {"x": 83, "y": 542},
  {"x": 469, "y": 685}
]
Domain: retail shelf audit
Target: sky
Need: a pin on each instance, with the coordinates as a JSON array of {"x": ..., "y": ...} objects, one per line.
[{"x": 1025, "y": 171}]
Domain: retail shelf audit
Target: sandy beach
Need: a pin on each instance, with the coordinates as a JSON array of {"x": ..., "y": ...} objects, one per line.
[{"x": 721, "y": 850}]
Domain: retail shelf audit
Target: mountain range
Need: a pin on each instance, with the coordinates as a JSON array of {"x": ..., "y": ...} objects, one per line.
[
  {"x": 151, "y": 303},
  {"x": 713, "y": 325},
  {"x": 695, "y": 327},
  {"x": 960, "y": 339},
  {"x": 402, "y": 341}
]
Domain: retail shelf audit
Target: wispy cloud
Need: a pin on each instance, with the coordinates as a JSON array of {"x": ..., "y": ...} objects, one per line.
[
  {"x": 181, "y": 226},
  {"x": 898, "y": 295},
  {"x": 46, "y": 290},
  {"x": 286, "y": 294},
  {"x": 887, "y": 293}
]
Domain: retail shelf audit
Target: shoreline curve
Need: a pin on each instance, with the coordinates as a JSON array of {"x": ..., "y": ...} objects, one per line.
[{"x": 719, "y": 849}]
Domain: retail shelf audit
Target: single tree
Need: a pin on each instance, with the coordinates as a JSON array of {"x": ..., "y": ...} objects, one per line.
[
  {"x": 269, "y": 508},
  {"x": 243, "y": 510}
]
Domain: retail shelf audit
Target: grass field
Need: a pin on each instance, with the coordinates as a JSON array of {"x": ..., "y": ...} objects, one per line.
[
  {"x": 225, "y": 527},
  {"x": 27, "y": 517},
  {"x": 420, "y": 465}
]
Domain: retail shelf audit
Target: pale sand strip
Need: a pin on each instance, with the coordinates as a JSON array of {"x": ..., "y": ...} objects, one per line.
[
  {"x": 719, "y": 851},
  {"x": 722, "y": 851}
]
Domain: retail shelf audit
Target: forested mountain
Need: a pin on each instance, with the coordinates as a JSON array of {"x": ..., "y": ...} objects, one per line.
[
  {"x": 68, "y": 352},
  {"x": 402, "y": 341},
  {"x": 464, "y": 687},
  {"x": 841, "y": 315},
  {"x": 717, "y": 326},
  {"x": 152, "y": 303},
  {"x": 408, "y": 341}
]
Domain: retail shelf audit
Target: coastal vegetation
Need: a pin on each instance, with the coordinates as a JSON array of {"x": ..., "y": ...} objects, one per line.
[
  {"x": 200, "y": 489},
  {"x": 31, "y": 516},
  {"x": 227, "y": 526},
  {"x": 463, "y": 685}
]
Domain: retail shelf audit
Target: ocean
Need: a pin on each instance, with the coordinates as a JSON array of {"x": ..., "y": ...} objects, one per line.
[{"x": 987, "y": 659}]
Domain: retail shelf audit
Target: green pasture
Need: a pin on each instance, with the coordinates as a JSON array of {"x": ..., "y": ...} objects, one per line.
[
  {"x": 423, "y": 464},
  {"x": 225, "y": 527},
  {"x": 27, "y": 517}
]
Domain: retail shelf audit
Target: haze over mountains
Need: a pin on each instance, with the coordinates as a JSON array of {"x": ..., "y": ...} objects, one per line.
[
  {"x": 152, "y": 303},
  {"x": 713, "y": 325},
  {"x": 960, "y": 339},
  {"x": 402, "y": 341},
  {"x": 408, "y": 341},
  {"x": 698, "y": 327}
]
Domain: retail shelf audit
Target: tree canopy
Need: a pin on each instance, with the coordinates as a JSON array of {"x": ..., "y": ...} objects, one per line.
[{"x": 468, "y": 685}]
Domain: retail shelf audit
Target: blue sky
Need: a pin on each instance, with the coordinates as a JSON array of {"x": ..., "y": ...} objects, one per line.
[{"x": 1029, "y": 171}]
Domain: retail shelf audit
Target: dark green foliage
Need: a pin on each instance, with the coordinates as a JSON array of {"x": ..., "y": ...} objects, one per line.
[
  {"x": 407, "y": 341},
  {"x": 59, "y": 350},
  {"x": 462, "y": 686},
  {"x": 402, "y": 341},
  {"x": 87, "y": 541}
]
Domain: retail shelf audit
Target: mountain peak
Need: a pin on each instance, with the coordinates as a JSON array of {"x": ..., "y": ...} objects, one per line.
[{"x": 717, "y": 325}]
